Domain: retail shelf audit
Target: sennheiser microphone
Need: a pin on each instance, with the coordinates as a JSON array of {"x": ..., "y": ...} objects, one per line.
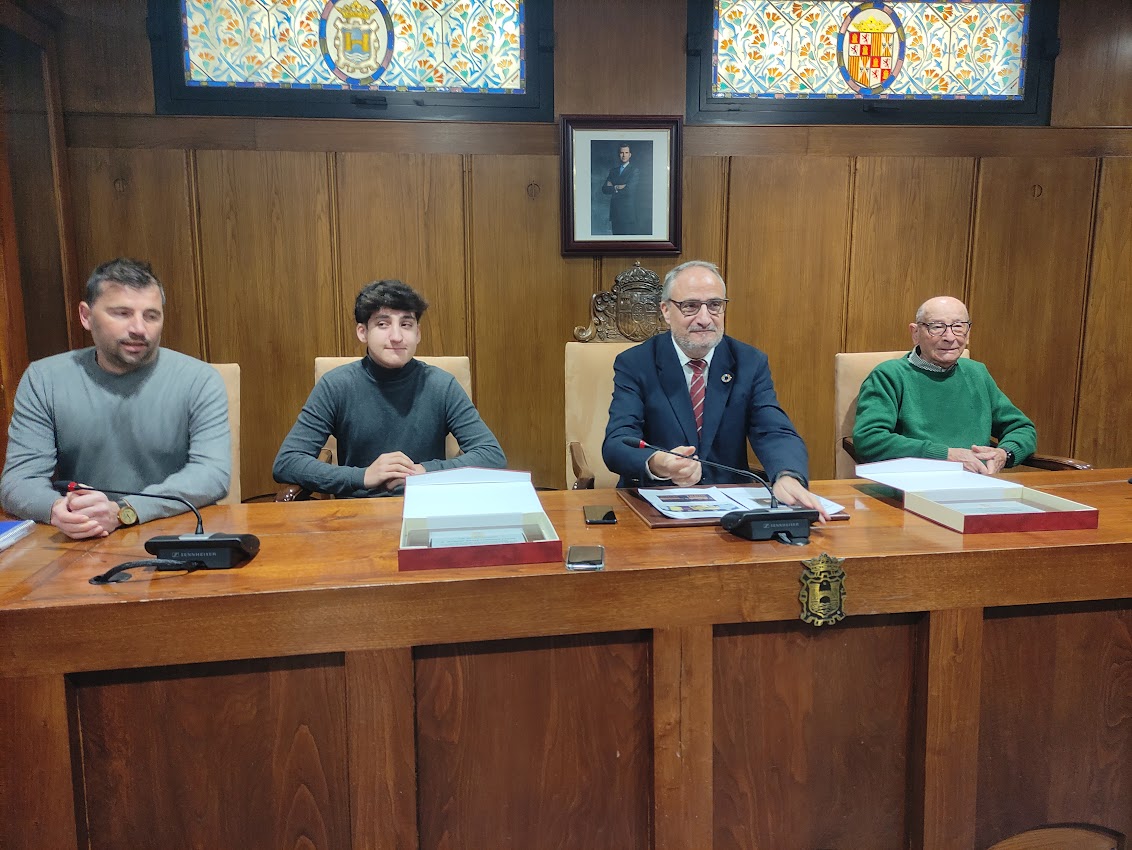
[
  {"x": 787, "y": 524},
  {"x": 217, "y": 551}
]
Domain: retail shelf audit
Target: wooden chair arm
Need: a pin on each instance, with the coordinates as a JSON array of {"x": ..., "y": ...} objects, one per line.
[
  {"x": 581, "y": 467},
  {"x": 1054, "y": 462},
  {"x": 292, "y": 493},
  {"x": 847, "y": 444},
  {"x": 295, "y": 493}
]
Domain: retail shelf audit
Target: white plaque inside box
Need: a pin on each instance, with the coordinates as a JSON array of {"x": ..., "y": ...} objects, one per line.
[
  {"x": 472, "y": 517},
  {"x": 945, "y": 493}
]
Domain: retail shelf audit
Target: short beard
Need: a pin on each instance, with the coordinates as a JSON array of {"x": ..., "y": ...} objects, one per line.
[
  {"x": 695, "y": 350},
  {"x": 123, "y": 365}
]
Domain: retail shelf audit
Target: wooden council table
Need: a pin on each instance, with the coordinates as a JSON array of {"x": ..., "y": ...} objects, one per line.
[{"x": 979, "y": 686}]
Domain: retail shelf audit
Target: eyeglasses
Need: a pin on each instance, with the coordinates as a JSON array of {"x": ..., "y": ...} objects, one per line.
[
  {"x": 937, "y": 328},
  {"x": 715, "y": 306}
]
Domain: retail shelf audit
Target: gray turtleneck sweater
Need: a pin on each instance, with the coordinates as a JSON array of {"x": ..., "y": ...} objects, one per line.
[{"x": 372, "y": 410}]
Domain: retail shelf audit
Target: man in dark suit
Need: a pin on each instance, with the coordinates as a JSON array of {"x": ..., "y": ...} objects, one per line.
[
  {"x": 622, "y": 185},
  {"x": 699, "y": 391}
]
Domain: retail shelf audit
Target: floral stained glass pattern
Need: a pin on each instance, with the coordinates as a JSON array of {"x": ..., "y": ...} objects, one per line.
[
  {"x": 376, "y": 45},
  {"x": 834, "y": 49}
]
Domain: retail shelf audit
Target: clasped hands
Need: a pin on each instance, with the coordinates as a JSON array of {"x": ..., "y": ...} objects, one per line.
[
  {"x": 84, "y": 513},
  {"x": 686, "y": 471},
  {"x": 390, "y": 471},
  {"x": 985, "y": 460}
]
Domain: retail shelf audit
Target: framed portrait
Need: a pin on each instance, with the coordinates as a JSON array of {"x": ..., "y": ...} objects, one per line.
[{"x": 621, "y": 184}]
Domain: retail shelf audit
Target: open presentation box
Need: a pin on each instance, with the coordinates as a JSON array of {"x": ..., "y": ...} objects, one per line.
[
  {"x": 945, "y": 493},
  {"x": 473, "y": 517}
]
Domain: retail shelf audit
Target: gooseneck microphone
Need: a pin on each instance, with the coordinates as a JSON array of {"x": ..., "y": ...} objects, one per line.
[
  {"x": 785, "y": 524},
  {"x": 217, "y": 551},
  {"x": 641, "y": 444}
]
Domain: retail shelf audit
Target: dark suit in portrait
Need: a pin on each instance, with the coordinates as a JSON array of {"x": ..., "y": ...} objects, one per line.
[{"x": 622, "y": 185}]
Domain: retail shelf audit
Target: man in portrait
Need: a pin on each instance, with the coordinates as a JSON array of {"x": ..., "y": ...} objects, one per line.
[{"x": 622, "y": 184}]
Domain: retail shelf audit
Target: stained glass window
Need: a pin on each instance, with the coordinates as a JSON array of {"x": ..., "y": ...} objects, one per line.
[
  {"x": 375, "y": 45},
  {"x": 446, "y": 60},
  {"x": 865, "y": 62},
  {"x": 896, "y": 50}
]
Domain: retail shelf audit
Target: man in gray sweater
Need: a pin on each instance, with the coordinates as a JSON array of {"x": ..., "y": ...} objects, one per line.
[
  {"x": 125, "y": 415},
  {"x": 389, "y": 412}
]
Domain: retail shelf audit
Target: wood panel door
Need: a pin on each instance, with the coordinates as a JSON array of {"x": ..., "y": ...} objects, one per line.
[
  {"x": 402, "y": 216},
  {"x": 1104, "y": 404},
  {"x": 38, "y": 278},
  {"x": 911, "y": 226},
  {"x": 788, "y": 238},
  {"x": 525, "y": 302},
  {"x": 1033, "y": 227},
  {"x": 141, "y": 203},
  {"x": 268, "y": 289}
]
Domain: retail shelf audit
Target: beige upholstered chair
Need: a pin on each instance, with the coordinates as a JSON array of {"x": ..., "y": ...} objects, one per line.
[
  {"x": 849, "y": 372},
  {"x": 459, "y": 367},
  {"x": 629, "y": 313},
  {"x": 230, "y": 372},
  {"x": 1073, "y": 837},
  {"x": 589, "y": 389}
]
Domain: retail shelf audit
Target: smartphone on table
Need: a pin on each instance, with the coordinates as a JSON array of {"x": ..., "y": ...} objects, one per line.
[
  {"x": 585, "y": 558},
  {"x": 599, "y": 514}
]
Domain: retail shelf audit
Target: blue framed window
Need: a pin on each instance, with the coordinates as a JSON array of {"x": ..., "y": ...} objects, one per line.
[
  {"x": 901, "y": 61},
  {"x": 447, "y": 59}
]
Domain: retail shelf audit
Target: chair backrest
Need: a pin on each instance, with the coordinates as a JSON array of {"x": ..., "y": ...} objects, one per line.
[
  {"x": 849, "y": 372},
  {"x": 1063, "y": 838},
  {"x": 625, "y": 315},
  {"x": 459, "y": 367},
  {"x": 589, "y": 389},
  {"x": 230, "y": 372}
]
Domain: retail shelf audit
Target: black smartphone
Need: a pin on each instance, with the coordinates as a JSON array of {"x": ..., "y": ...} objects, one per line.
[
  {"x": 585, "y": 558},
  {"x": 599, "y": 514}
]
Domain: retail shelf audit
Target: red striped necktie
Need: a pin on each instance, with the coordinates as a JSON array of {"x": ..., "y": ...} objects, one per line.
[{"x": 698, "y": 389}]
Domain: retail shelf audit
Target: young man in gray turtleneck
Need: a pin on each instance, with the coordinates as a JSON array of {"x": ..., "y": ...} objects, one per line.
[{"x": 389, "y": 412}]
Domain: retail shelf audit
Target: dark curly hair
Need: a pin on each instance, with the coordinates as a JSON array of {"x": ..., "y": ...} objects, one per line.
[{"x": 391, "y": 294}]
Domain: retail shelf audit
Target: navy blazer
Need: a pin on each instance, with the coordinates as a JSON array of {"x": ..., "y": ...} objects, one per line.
[{"x": 651, "y": 402}]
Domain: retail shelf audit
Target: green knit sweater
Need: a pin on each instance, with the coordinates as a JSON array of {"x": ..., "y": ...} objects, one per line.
[{"x": 904, "y": 411}]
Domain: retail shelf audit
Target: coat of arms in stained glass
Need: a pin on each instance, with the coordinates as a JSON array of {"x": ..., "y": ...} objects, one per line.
[
  {"x": 906, "y": 49},
  {"x": 379, "y": 45}
]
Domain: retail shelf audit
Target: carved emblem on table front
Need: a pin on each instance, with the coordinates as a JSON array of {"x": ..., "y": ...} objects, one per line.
[{"x": 823, "y": 590}]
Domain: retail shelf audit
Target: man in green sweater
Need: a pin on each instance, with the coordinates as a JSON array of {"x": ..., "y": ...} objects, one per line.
[
  {"x": 389, "y": 412},
  {"x": 932, "y": 404}
]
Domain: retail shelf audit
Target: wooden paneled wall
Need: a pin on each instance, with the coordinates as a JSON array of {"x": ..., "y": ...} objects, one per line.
[{"x": 829, "y": 237}]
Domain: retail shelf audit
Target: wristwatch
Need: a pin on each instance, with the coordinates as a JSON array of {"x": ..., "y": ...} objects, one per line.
[
  {"x": 791, "y": 474},
  {"x": 1009, "y": 458},
  {"x": 126, "y": 514}
]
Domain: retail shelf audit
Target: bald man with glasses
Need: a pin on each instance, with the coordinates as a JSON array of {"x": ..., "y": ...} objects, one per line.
[
  {"x": 933, "y": 404},
  {"x": 700, "y": 394}
]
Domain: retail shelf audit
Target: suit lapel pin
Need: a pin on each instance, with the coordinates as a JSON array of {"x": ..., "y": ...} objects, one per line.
[{"x": 726, "y": 378}]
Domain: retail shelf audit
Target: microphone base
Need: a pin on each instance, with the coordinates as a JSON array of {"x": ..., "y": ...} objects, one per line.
[
  {"x": 787, "y": 526},
  {"x": 217, "y": 551}
]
